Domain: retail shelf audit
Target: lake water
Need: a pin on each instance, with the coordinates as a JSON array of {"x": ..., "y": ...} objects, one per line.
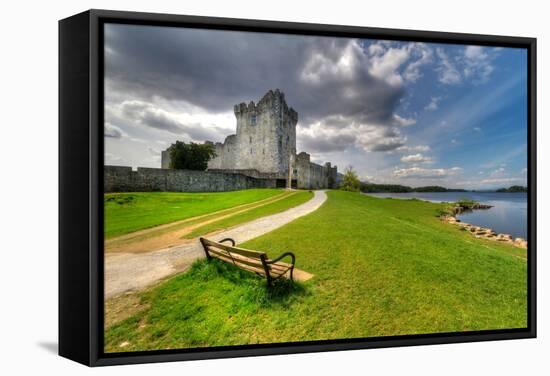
[{"x": 508, "y": 214}]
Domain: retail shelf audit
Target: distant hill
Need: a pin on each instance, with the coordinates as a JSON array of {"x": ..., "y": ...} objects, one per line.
[
  {"x": 384, "y": 188},
  {"x": 513, "y": 188},
  {"x": 436, "y": 188},
  {"x": 396, "y": 188}
]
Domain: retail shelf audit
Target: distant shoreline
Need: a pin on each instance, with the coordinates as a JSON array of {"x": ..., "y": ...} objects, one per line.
[
  {"x": 396, "y": 188},
  {"x": 508, "y": 215}
]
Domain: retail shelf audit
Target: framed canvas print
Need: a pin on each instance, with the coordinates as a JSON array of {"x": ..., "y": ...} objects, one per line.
[{"x": 239, "y": 187}]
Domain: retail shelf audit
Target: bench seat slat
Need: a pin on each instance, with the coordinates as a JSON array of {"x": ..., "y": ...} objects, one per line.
[
  {"x": 241, "y": 251},
  {"x": 275, "y": 269},
  {"x": 259, "y": 270},
  {"x": 238, "y": 258}
]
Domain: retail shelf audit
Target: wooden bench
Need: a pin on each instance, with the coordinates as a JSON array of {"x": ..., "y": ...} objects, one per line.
[{"x": 250, "y": 260}]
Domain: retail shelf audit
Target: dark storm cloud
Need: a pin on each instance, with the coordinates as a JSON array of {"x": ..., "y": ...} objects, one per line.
[
  {"x": 146, "y": 114},
  {"x": 387, "y": 146},
  {"x": 217, "y": 69},
  {"x": 333, "y": 83},
  {"x": 161, "y": 121},
  {"x": 338, "y": 142}
]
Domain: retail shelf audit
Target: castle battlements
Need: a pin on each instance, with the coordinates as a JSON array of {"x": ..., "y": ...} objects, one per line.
[{"x": 265, "y": 141}]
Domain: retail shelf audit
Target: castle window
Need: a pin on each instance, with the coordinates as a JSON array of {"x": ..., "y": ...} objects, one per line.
[
  {"x": 252, "y": 119},
  {"x": 250, "y": 139},
  {"x": 251, "y": 151}
]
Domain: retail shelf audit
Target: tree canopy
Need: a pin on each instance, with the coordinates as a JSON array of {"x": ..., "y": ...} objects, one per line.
[
  {"x": 191, "y": 156},
  {"x": 350, "y": 181}
]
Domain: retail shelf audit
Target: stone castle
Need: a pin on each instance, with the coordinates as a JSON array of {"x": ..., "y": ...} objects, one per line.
[{"x": 264, "y": 147}]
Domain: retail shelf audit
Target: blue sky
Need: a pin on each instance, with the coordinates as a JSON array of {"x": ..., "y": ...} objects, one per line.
[
  {"x": 473, "y": 117},
  {"x": 398, "y": 112}
]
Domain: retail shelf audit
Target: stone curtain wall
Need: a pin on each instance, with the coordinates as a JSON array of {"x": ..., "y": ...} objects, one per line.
[
  {"x": 313, "y": 176},
  {"x": 124, "y": 179}
]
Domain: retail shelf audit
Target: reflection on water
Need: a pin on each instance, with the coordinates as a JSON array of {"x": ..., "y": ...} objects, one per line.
[{"x": 508, "y": 214}]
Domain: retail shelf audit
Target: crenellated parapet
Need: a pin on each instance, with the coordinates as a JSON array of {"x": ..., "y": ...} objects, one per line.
[
  {"x": 265, "y": 142},
  {"x": 272, "y": 104}
]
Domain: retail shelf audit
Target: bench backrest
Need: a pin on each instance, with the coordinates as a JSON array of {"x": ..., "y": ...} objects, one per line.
[{"x": 246, "y": 258}]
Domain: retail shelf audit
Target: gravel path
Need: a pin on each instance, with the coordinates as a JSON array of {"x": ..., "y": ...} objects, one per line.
[{"x": 130, "y": 272}]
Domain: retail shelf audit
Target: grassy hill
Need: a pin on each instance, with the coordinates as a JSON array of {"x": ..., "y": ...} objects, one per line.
[{"x": 382, "y": 267}]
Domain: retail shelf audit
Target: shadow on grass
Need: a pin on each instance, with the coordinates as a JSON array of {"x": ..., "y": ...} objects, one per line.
[{"x": 282, "y": 291}]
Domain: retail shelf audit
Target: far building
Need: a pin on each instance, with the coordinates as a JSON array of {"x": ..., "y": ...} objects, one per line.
[{"x": 265, "y": 147}]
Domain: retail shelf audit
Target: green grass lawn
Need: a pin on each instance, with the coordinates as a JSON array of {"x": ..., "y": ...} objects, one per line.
[
  {"x": 128, "y": 212},
  {"x": 382, "y": 267}
]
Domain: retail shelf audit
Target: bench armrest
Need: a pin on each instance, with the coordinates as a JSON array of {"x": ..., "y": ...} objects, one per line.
[
  {"x": 286, "y": 254},
  {"x": 228, "y": 240}
]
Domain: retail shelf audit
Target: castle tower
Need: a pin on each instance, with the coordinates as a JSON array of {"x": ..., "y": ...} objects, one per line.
[{"x": 266, "y": 134}]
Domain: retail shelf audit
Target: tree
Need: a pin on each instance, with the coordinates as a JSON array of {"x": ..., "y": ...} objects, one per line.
[
  {"x": 350, "y": 181},
  {"x": 191, "y": 156}
]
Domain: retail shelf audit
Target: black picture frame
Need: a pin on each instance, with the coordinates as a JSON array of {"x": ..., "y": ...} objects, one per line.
[{"x": 81, "y": 186}]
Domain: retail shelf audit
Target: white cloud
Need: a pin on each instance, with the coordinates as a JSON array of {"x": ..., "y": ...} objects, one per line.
[
  {"x": 417, "y": 148},
  {"x": 523, "y": 171},
  {"x": 448, "y": 73},
  {"x": 477, "y": 129},
  {"x": 477, "y": 63},
  {"x": 404, "y": 122},
  {"x": 387, "y": 61},
  {"x": 412, "y": 72},
  {"x": 321, "y": 67},
  {"x": 385, "y": 65},
  {"x": 320, "y": 137},
  {"x": 426, "y": 173},
  {"x": 379, "y": 139},
  {"x": 473, "y": 63},
  {"x": 416, "y": 158},
  {"x": 433, "y": 105},
  {"x": 113, "y": 131}
]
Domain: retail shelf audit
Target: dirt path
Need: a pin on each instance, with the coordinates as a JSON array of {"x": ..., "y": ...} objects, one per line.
[
  {"x": 171, "y": 234},
  {"x": 134, "y": 271}
]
